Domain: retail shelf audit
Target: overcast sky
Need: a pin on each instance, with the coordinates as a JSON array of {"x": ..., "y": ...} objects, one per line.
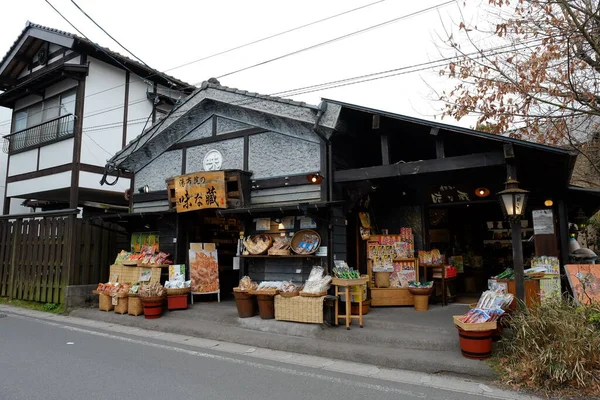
[{"x": 167, "y": 34}]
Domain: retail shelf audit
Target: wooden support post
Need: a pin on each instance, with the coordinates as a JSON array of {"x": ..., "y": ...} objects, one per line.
[
  {"x": 385, "y": 150},
  {"x": 440, "y": 151}
]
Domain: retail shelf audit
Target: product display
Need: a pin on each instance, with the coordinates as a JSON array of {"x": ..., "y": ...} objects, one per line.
[
  {"x": 149, "y": 259},
  {"x": 342, "y": 271},
  {"x": 288, "y": 287},
  {"x": 316, "y": 283},
  {"x": 246, "y": 284},
  {"x": 178, "y": 284},
  {"x": 257, "y": 244},
  {"x": 152, "y": 290},
  {"x": 305, "y": 242}
]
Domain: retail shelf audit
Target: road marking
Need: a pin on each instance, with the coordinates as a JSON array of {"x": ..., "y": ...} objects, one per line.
[
  {"x": 449, "y": 384},
  {"x": 330, "y": 379}
]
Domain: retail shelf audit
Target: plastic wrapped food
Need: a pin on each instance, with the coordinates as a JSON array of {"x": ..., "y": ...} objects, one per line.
[
  {"x": 247, "y": 284},
  {"x": 288, "y": 287},
  {"x": 316, "y": 273},
  {"x": 319, "y": 285}
]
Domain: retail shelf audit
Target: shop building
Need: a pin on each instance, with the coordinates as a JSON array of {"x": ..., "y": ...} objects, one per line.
[{"x": 280, "y": 166}]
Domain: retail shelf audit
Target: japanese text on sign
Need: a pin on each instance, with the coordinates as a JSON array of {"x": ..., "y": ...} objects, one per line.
[{"x": 200, "y": 190}]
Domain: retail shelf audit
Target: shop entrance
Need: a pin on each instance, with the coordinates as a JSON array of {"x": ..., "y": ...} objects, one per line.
[
  {"x": 206, "y": 226},
  {"x": 475, "y": 239}
]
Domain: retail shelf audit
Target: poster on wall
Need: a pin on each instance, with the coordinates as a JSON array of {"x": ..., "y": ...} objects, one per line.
[
  {"x": 307, "y": 223},
  {"x": 204, "y": 268},
  {"x": 200, "y": 190},
  {"x": 263, "y": 224},
  {"x": 543, "y": 222},
  {"x": 145, "y": 242},
  {"x": 585, "y": 282}
]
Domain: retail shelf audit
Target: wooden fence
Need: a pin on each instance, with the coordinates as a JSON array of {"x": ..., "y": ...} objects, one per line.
[{"x": 41, "y": 254}]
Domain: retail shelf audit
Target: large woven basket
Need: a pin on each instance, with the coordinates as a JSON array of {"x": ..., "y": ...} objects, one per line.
[
  {"x": 151, "y": 299},
  {"x": 289, "y": 294},
  {"x": 105, "y": 303},
  {"x": 178, "y": 292},
  {"x": 134, "y": 306},
  {"x": 305, "y": 294},
  {"x": 299, "y": 309},
  {"x": 122, "y": 304},
  {"x": 300, "y": 236},
  {"x": 266, "y": 292}
]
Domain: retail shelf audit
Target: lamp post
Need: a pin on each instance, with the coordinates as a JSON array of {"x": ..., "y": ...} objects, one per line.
[{"x": 514, "y": 200}]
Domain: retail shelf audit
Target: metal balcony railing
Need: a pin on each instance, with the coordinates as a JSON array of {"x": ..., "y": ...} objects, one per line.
[{"x": 46, "y": 132}]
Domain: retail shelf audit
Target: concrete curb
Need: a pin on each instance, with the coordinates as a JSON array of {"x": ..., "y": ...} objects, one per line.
[{"x": 429, "y": 361}]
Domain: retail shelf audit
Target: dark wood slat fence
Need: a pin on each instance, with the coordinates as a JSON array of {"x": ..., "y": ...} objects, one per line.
[{"x": 41, "y": 254}]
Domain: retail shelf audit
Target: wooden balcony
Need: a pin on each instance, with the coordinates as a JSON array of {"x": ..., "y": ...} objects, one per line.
[{"x": 43, "y": 134}]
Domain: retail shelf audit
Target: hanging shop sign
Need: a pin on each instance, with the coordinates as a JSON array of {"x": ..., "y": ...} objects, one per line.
[
  {"x": 200, "y": 190},
  {"x": 543, "y": 222}
]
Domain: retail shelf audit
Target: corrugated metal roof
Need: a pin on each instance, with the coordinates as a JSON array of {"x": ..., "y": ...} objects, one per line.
[{"x": 118, "y": 56}]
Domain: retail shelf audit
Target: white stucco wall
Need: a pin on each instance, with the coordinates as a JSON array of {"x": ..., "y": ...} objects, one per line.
[
  {"x": 102, "y": 132},
  {"x": 42, "y": 184},
  {"x": 139, "y": 107},
  {"x": 90, "y": 180},
  {"x": 23, "y": 162},
  {"x": 56, "y": 154}
]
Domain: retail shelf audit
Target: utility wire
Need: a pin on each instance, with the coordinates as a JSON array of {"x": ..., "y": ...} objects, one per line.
[
  {"x": 380, "y": 25},
  {"x": 7, "y": 122}
]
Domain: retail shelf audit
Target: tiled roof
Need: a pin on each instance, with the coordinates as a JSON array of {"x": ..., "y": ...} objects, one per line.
[
  {"x": 214, "y": 84},
  {"x": 118, "y": 56}
]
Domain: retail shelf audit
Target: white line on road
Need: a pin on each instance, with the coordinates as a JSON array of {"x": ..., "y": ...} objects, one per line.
[{"x": 456, "y": 385}]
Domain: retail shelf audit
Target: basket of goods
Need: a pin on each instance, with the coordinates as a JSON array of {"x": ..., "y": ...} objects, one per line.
[
  {"x": 152, "y": 297},
  {"x": 134, "y": 303},
  {"x": 288, "y": 289},
  {"x": 305, "y": 241},
  {"x": 421, "y": 293},
  {"x": 258, "y": 244},
  {"x": 317, "y": 284},
  {"x": 281, "y": 247},
  {"x": 475, "y": 330},
  {"x": 178, "y": 287},
  {"x": 119, "y": 297},
  {"x": 104, "y": 290},
  {"x": 265, "y": 294},
  {"x": 244, "y": 301}
]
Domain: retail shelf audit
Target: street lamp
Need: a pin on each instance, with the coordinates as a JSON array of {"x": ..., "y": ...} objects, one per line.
[{"x": 513, "y": 201}]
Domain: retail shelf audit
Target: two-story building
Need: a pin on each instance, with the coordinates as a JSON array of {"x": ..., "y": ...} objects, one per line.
[{"x": 74, "y": 105}]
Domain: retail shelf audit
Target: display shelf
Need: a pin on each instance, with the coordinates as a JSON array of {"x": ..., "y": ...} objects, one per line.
[
  {"x": 290, "y": 256},
  {"x": 502, "y": 241},
  {"x": 508, "y": 230}
]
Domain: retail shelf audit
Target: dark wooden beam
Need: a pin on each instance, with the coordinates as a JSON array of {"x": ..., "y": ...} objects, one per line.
[
  {"x": 77, "y": 142},
  {"x": 100, "y": 170},
  {"x": 421, "y": 167},
  {"x": 282, "y": 181},
  {"x": 151, "y": 196},
  {"x": 219, "y": 138},
  {"x": 125, "y": 110},
  {"x": 246, "y": 152},
  {"x": 376, "y": 121},
  {"x": 440, "y": 150},
  {"x": 214, "y": 125},
  {"x": 385, "y": 150}
]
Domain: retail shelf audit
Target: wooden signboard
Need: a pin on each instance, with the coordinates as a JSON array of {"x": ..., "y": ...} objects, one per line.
[
  {"x": 585, "y": 282},
  {"x": 200, "y": 190}
]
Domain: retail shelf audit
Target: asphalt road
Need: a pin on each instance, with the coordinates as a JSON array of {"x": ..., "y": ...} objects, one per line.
[{"x": 55, "y": 360}]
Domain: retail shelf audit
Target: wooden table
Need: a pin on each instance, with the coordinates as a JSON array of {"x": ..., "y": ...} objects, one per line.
[{"x": 346, "y": 284}]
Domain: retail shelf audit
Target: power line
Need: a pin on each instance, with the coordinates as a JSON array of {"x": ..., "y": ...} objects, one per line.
[
  {"x": 7, "y": 122},
  {"x": 380, "y": 25}
]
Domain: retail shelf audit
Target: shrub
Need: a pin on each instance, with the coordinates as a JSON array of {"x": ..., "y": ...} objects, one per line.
[
  {"x": 49, "y": 307},
  {"x": 554, "y": 347}
]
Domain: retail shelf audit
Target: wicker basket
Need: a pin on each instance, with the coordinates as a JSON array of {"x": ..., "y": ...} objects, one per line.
[
  {"x": 299, "y": 309},
  {"x": 134, "y": 305},
  {"x": 255, "y": 248},
  {"x": 321, "y": 294},
  {"x": 105, "y": 303},
  {"x": 420, "y": 291},
  {"x": 279, "y": 252},
  {"x": 267, "y": 292},
  {"x": 122, "y": 304},
  {"x": 151, "y": 299},
  {"x": 178, "y": 292},
  {"x": 299, "y": 237},
  {"x": 289, "y": 294}
]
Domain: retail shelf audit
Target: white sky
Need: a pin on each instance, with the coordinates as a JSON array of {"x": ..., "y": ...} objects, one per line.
[{"x": 166, "y": 34}]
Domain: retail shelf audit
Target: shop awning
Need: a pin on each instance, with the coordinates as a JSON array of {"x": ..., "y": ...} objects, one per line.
[
  {"x": 281, "y": 207},
  {"x": 586, "y": 198}
]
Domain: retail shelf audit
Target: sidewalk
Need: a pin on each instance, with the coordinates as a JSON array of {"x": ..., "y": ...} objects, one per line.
[{"x": 399, "y": 338}]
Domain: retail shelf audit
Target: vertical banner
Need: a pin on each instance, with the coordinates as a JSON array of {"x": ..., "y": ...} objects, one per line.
[{"x": 204, "y": 268}]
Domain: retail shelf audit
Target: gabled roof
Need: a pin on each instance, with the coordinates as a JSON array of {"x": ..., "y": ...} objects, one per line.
[
  {"x": 184, "y": 116},
  {"x": 80, "y": 44}
]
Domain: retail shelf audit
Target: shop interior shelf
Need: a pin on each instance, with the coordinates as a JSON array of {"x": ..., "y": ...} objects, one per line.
[
  {"x": 290, "y": 256},
  {"x": 508, "y": 241},
  {"x": 508, "y": 229}
]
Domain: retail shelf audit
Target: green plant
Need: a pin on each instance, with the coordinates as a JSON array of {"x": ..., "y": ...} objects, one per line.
[
  {"x": 49, "y": 307},
  {"x": 554, "y": 347}
]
